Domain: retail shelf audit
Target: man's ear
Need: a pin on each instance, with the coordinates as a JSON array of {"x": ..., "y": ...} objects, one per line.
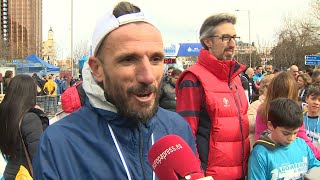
[
  {"x": 96, "y": 67},
  {"x": 270, "y": 126},
  {"x": 207, "y": 42}
]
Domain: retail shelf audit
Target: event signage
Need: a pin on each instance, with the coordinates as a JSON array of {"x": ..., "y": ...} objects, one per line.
[
  {"x": 312, "y": 60},
  {"x": 171, "y": 50}
]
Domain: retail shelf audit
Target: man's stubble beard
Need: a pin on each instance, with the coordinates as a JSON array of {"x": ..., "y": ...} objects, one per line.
[{"x": 120, "y": 101}]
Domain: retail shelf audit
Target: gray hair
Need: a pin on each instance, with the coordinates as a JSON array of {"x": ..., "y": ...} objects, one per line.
[{"x": 209, "y": 25}]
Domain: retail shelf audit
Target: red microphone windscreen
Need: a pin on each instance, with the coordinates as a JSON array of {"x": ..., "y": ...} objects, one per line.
[{"x": 171, "y": 156}]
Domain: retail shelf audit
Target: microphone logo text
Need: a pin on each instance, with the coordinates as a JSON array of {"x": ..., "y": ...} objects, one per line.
[{"x": 164, "y": 155}]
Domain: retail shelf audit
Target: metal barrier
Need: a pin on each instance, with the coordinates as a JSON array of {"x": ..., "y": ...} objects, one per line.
[
  {"x": 47, "y": 103},
  {"x": 41, "y": 102}
]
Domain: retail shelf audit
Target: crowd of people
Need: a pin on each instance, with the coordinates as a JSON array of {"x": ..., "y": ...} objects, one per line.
[{"x": 241, "y": 123}]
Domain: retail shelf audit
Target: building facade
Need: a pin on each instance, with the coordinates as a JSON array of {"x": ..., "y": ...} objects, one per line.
[
  {"x": 49, "y": 52},
  {"x": 21, "y": 27}
]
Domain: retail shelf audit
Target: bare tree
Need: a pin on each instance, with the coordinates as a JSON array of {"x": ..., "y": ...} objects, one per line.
[
  {"x": 264, "y": 52},
  {"x": 296, "y": 38},
  {"x": 315, "y": 9},
  {"x": 81, "y": 49},
  {"x": 4, "y": 46}
]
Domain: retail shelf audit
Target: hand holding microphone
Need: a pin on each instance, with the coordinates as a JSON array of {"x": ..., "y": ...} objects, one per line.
[{"x": 171, "y": 158}]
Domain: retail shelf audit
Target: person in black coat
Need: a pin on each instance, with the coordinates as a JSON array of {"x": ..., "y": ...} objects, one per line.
[
  {"x": 168, "y": 92},
  {"x": 18, "y": 105}
]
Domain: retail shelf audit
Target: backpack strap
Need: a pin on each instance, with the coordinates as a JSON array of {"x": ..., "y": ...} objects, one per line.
[
  {"x": 25, "y": 149},
  {"x": 78, "y": 83}
]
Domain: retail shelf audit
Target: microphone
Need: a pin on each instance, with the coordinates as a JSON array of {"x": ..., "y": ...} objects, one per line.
[{"x": 171, "y": 158}]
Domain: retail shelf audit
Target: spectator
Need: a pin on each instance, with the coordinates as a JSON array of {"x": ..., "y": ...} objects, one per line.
[
  {"x": 303, "y": 81},
  {"x": 294, "y": 71},
  {"x": 309, "y": 71},
  {"x": 211, "y": 98},
  {"x": 39, "y": 84},
  {"x": 257, "y": 78},
  {"x": 168, "y": 74},
  {"x": 316, "y": 77},
  {"x": 6, "y": 79},
  {"x": 253, "y": 107},
  {"x": 58, "y": 83},
  {"x": 63, "y": 84},
  {"x": 44, "y": 79},
  {"x": 276, "y": 70},
  {"x": 51, "y": 92},
  {"x": 168, "y": 93},
  {"x": 247, "y": 83},
  {"x": 110, "y": 137},
  {"x": 269, "y": 69},
  {"x": 282, "y": 85},
  {"x": 278, "y": 154},
  {"x": 72, "y": 81},
  {"x": 18, "y": 107},
  {"x": 312, "y": 116}
]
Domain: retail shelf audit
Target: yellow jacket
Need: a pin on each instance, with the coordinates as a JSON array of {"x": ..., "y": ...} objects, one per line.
[{"x": 50, "y": 85}]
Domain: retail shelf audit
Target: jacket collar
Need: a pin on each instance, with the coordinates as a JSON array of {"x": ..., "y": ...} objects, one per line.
[
  {"x": 223, "y": 69},
  {"x": 266, "y": 141},
  {"x": 94, "y": 92}
]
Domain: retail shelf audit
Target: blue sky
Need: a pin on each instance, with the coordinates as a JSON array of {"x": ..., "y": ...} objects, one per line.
[{"x": 178, "y": 20}]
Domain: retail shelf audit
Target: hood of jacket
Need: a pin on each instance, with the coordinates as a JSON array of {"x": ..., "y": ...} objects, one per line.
[
  {"x": 223, "y": 69},
  {"x": 94, "y": 92},
  {"x": 266, "y": 141}
]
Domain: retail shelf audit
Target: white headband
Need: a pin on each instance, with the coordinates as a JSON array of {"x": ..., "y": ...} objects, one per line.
[{"x": 109, "y": 23}]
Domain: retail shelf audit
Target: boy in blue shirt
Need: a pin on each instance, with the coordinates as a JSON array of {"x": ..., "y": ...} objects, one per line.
[
  {"x": 278, "y": 154},
  {"x": 311, "y": 117}
]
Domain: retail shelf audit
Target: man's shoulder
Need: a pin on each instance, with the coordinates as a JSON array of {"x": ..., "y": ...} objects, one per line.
[
  {"x": 188, "y": 75},
  {"x": 244, "y": 78},
  {"x": 79, "y": 121}
]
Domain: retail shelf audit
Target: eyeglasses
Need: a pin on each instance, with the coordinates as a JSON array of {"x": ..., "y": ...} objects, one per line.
[{"x": 227, "y": 37}]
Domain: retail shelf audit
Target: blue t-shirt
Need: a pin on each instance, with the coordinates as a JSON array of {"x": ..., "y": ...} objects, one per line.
[
  {"x": 257, "y": 77},
  {"x": 312, "y": 125},
  {"x": 283, "y": 162}
]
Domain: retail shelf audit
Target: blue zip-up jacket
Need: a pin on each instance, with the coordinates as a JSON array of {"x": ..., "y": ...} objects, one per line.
[{"x": 80, "y": 145}]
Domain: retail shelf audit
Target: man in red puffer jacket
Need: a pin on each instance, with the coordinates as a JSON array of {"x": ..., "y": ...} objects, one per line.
[{"x": 211, "y": 99}]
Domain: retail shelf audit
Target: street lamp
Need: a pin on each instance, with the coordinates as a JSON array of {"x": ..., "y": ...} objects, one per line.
[
  {"x": 248, "y": 11},
  {"x": 71, "y": 29}
]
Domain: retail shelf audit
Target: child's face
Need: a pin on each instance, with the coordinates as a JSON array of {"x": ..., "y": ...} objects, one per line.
[
  {"x": 313, "y": 104},
  {"x": 283, "y": 135}
]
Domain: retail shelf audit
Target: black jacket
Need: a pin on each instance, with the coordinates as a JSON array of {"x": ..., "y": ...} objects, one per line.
[
  {"x": 168, "y": 96},
  {"x": 32, "y": 127}
]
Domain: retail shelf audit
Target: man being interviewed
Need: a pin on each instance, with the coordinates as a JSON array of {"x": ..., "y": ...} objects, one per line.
[
  {"x": 110, "y": 136},
  {"x": 212, "y": 100}
]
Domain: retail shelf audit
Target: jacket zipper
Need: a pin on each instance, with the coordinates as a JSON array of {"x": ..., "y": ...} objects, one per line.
[
  {"x": 238, "y": 93},
  {"x": 240, "y": 121},
  {"x": 141, "y": 154}
]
